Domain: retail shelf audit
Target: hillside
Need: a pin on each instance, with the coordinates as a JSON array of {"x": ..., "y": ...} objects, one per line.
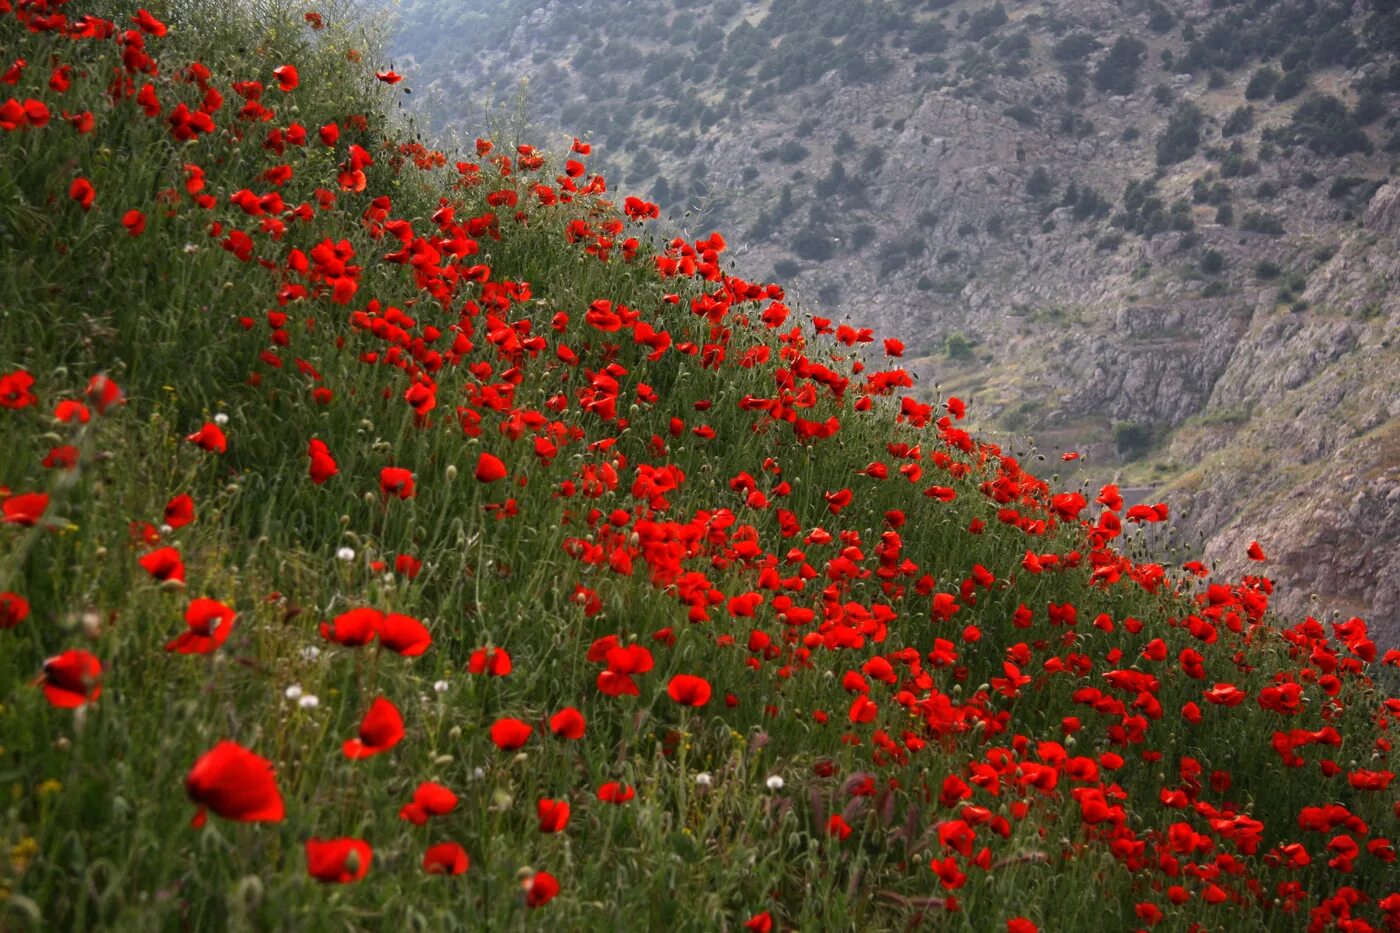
[
  {"x": 407, "y": 538},
  {"x": 1162, "y": 235}
]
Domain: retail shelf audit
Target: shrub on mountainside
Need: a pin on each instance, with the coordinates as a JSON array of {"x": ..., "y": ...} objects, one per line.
[
  {"x": 1117, "y": 72},
  {"x": 1182, "y": 135}
]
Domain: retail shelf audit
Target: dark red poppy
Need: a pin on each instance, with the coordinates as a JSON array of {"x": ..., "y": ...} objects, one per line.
[
  {"x": 16, "y": 390},
  {"x": 338, "y": 861},
  {"x": 236, "y": 784},
  {"x": 14, "y": 609},
  {"x": 380, "y": 730},
  {"x": 82, "y": 191}
]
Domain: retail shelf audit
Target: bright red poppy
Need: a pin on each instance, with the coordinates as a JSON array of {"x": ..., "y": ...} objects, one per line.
[
  {"x": 509, "y": 734},
  {"x": 72, "y": 679},
  {"x": 445, "y": 858},
  {"x": 338, "y": 861},
  {"x": 429, "y": 799},
  {"x": 404, "y": 635},
  {"x": 210, "y": 624},
  {"x": 163, "y": 564},
  {"x": 490, "y": 468},
  {"x": 380, "y": 730},
  {"x": 689, "y": 690},
  {"x": 287, "y": 77},
  {"x": 353, "y": 628},
  {"x": 396, "y": 481},
  {"x": 568, "y": 723},
  {"x": 553, "y": 815},
  {"x": 25, "y": 509},
  {"x": 540, "y": 888},
  {"x": 236, "y": 784},
  {"x": 210, "y": 437},
  {"x": 179, "y": 511},
  {"x": 493, "y": 661}
]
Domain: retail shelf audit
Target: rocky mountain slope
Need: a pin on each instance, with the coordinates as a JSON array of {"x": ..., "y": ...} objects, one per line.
[{"x": 1163, "y": 235}]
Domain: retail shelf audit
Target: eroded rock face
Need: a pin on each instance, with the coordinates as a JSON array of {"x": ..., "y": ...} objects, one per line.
[{"x": 1383, "y": 213}]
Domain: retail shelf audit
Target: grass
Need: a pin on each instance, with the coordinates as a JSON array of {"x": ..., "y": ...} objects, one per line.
[{"x": 693, "y": 521}]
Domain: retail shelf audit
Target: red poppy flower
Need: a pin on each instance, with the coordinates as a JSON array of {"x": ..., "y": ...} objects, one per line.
[
  {"x": 15, "y": 390},
  {"x": 163, "y": 564},
  {"x": 329, "y": 134},
  {"x": 25, "y": 509},
  {"x": 380, "y": 730},
  {"x": 510, "y": 734},
  {"x": 615, "y": 792},
  {"x": 149, "y": 24},
  {"x": 14, "y": 609},
  {"x": 210, "y": 623},
  {"x": 689, "y": 690},
  {"x": 404, "y": 635},
  {"x": 445, "y": 858},
  {"x": 72, "y": 412},
  {"x": 408, "y": 565},
  {"x": 337, "y": 861},
  {"x": 493, "y": 661},
  {"x": 287, "y": 77},
  {"x": 62, "y": 457},
  {"x": 179, "y": 511},
  {"x": 236, "y": 784},
  {"x": 389, "y": 77},
  {"x": 553, "y": 815},
  {"x": 323, "y": 465},
  {"x": 540, "y": 888},
  {"x": 489, "y": 468},
  {"x": 102, "y": 394},
  {"x": 135, "y": 222},
  {"x": 396, "y": 481},
  {"x": 210, "y": 438},
  {"x": 82, "y": 191},
  {"x": 568, "y": 723},
  {"x": 428, "y": 800},
  {"x": 760, "y": 923},
  {"x": 1255, "y": 551},
  {"x": 353, "y": 628},
  {"x": 72, "y": 679}
]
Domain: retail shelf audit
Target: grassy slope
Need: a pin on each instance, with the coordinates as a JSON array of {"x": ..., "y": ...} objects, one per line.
[{"x": 96, "y": 825}]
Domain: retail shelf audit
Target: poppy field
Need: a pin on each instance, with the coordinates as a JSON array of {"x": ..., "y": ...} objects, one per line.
[{"x": 405, "y": 539}]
